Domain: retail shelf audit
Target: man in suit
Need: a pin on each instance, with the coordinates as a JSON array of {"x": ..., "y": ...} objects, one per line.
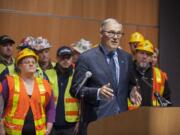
[{"x": 106, "y": 91}]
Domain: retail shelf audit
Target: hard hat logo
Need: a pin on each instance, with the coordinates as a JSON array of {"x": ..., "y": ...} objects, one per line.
[
  {"x": 40, "y": 44},
  {"x": 145, "y": 46},
  {"x": 136, "y": 37},
  {"x": 34, "y": 43},
  {"x": 82, "y": 45},
  {"x": 27, "y": 42}
]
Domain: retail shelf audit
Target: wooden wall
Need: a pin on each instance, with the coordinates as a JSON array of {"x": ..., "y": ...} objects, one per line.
[{"x": 63, "y": 22}]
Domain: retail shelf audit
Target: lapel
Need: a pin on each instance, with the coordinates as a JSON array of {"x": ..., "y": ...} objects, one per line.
[{"x": 105, "y": 67}]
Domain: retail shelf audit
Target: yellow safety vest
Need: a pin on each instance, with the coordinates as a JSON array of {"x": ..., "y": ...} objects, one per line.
[
  {"x": 11, "y": 68},
  {"x": 71, "y": 104},
  {"x": 158, "y": 85},
  {"x": 53, "y": 79},
  {"x": 39, "y": 71}
]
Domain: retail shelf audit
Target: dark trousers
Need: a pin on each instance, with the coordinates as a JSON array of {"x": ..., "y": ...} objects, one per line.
[
  {"x": 83, "y": 129},
  {"x": 63, "y": 130}
]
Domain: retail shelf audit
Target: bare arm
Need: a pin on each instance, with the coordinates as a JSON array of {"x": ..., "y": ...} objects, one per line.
[{"x": 49, "y": 128}]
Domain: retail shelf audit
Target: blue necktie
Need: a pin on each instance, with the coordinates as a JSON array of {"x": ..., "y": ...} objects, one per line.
[{"x": 112, "y": 66}]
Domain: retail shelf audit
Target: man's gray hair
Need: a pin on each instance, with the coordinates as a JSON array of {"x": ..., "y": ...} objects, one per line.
[{"x": 107, "y": 21}]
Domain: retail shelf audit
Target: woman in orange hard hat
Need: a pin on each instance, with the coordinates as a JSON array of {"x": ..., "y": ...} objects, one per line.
[{"x": 29, "y": 103}]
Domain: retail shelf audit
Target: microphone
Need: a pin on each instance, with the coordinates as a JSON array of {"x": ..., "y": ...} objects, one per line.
[
  {"x": 162, "y": 101},
  {"x": 158, "y": 97},
  {"x": 88, "y": 74}
]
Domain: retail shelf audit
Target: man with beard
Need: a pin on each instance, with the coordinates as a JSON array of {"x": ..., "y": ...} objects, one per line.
[
  {"x": 6, "y": 59},
  {"x": 151, "y": 80}
]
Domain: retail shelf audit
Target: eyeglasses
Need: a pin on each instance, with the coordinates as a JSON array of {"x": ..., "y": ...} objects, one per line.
[{"x": 112, "y": 34}]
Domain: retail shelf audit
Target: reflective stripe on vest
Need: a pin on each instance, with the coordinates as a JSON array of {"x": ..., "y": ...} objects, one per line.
[
  {"x": 53, "y": 79},
  {"x": 71, "y": 104},
  {"x": 13, "y": 125},
  {"x": 158, "y": 85}
]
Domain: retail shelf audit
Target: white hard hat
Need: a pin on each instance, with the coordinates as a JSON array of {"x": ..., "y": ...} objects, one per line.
[
  {"x": 82, "y": 45},
  {"x": 41, "y": 43}
]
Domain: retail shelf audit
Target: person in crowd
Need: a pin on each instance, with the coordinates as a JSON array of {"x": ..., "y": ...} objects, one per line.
[
  {"x": 150, "y": 80},
  {"x": 28, "y": 100},
  {"x": 6, "y": 56},
  {"x": 155, "y": 57},
  {"x": 42, "y": 49},
  {"x": 36, "y": 45},
  {"x": 67, "y": 107},
  {"x": 79, "y": 47},
  {"x": 106, "y": 90}
]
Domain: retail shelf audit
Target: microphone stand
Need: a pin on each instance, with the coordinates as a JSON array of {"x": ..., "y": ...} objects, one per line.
[
  {"x": 162, "y": 101},
  {"x": 81, "y": 121},
  {"x": 81, "y": 91}
]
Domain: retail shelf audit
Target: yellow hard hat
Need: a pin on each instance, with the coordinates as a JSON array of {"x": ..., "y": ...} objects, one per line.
[
  {"x": 25, "y": 53},
  {"x": 146, "y": 45},
  {"x": 136, "y": 37}
]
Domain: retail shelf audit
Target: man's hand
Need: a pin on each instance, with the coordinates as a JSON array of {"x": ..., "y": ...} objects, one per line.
[
  {"x": 135, "y": 96},
  {"x": 49, "y": 127},
  {"x": 106, "y": 92}
]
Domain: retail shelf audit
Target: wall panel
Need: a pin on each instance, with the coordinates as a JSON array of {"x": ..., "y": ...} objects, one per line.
[{"x": 66, "y": 21}]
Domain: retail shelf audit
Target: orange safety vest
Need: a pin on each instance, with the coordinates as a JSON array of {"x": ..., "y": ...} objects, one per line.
[
  {"x": 71, "y": 104},
  {"x": 18, "y": 105},
  {"x": 158, "y": 85}
]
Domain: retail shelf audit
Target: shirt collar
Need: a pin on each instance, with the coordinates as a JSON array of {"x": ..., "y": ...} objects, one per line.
[{"x": 5, "y": 62}]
